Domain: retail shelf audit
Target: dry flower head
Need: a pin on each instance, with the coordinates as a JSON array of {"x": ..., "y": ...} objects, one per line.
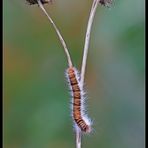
[
  {"x": 105, "y": 2},
  {"x": 32, "y": 2}
]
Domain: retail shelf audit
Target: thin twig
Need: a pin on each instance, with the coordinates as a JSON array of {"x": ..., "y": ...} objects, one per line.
[
  {"x": 58, "y": 33},
  {"x": 85, "y": 52},
  {"x": 86, "y": 46},
  {"x": 78, "y": 138},
  {"x": 87, "y": 39}
]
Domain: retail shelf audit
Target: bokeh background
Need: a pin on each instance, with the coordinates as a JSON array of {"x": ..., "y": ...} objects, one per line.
[{"x": 36, "y": 96}]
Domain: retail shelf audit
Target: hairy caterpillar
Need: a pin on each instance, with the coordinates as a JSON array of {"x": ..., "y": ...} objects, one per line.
[{"x": 81, "y": 121}]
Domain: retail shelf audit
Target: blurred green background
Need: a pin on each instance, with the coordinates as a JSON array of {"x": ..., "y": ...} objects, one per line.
[{"x": 36, "y": 96}]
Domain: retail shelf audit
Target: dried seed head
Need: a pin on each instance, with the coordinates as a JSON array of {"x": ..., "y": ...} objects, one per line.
[
  {"x": 32, "y": 2},
  {"x": 105, "y": 2}
]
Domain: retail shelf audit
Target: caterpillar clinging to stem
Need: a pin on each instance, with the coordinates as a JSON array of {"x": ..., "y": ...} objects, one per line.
[{"x": 81, "y": 122}]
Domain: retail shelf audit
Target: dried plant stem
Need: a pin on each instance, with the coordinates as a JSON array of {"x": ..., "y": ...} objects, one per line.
[
  {"x": 85, "y": 53},
  {"x": 78, "y": 139},
  {"x": 58, "y": 33},
  {"x": 87, "y": 39}
]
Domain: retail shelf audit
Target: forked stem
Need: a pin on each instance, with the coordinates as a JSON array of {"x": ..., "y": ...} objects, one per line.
[
  {"x": 85, "y": 52},
  {"x": 86, "y": 46},
  {"x": 58, "y": 33}
]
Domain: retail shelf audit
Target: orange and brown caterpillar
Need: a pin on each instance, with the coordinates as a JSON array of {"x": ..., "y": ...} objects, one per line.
[{"x": 81, "y": 121}]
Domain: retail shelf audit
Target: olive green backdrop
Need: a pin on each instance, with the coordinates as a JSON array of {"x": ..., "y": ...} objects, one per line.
[{"x": 36, "y": 96}]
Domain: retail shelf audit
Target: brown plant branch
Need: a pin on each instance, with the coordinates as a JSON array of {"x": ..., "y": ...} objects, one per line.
[{"x": 40, "y": 3}]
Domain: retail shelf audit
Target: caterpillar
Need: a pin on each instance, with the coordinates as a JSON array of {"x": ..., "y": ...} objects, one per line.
[{"x": 81, "y": 121}]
